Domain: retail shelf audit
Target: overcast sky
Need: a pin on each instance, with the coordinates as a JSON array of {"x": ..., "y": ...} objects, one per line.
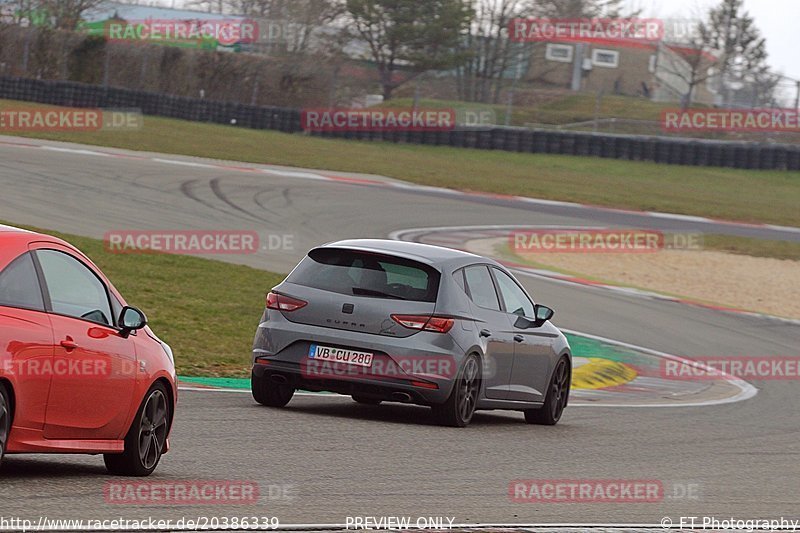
[{"x": 776, "y": 19}]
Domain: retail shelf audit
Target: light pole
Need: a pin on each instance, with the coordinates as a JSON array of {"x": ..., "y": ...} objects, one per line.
[{"x": 510, "y": 106}]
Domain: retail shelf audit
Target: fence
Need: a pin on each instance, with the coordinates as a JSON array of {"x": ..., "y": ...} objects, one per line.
[{"x": 679, "y": 151}]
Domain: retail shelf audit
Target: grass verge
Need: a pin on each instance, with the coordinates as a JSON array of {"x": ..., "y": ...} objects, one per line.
[
  {"x": 206, "y": 310},
  {"x": 753, "y": 247},
  {"x": 562, "y": 110},
  {"x": 744, "y": 195}
]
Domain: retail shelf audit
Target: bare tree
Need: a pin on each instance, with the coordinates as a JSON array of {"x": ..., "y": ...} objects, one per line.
[
  {"x": 65, "y": 14},
  {"x": 490, "y": 53},
  {"x": 727, "y": 49},
  {"x": 733, "y": 32},
  {"x": 285, "y": 26},
  {"x": 581, "y": 8},
  {"x": 690, "y": 61}
]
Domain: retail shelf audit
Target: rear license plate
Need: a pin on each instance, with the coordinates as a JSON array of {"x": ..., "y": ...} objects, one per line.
[{"x": 340, "y": 355}]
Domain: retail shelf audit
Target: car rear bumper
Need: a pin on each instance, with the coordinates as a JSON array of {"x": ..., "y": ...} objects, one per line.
[
  {"x": 422, "y": 366},
  {"x": 385, "y": 389}
]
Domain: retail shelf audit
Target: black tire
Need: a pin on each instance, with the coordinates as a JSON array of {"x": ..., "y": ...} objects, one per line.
[
  {"x": 365, "y": 400},
  {"x": 459, "y": 408},
  {"x": 5, "y": 420},
  {"x": 269, "y": 393},
  {"x": 144, "y": 443},
  {"x": 557, "y": 394}
]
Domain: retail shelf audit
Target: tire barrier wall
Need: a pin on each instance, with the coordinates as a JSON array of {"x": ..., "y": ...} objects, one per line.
[{"x": 669, "y": 150}]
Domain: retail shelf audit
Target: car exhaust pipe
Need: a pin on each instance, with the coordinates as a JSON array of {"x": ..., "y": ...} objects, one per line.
[
  {"x": 401, "y": 397},
  {"x": 279, "y": 378}
]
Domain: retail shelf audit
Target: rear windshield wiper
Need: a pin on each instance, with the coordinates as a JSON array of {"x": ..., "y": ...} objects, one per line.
[{"x": 369, "y": 292}]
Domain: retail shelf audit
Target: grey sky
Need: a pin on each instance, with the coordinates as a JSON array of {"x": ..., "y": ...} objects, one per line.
[{"x": 775, "y": 18}]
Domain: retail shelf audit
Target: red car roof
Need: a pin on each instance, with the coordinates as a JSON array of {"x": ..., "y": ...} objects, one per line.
[{"x": 14, "y": 242}]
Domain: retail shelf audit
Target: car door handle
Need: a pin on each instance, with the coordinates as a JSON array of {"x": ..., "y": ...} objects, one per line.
[
  {"x": 485, "y": 333},
  {"x": 69, "y": 344},
  {"x": 519, "y": 338}
]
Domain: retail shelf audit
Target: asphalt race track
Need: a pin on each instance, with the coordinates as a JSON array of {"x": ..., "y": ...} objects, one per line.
[{"x": 334, "y": 458}]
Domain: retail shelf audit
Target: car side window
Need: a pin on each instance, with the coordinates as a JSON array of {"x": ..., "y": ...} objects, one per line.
[
  {"x": 481, "y": 287},
  {"x": 19, "y": 284},
  {"x": 74, "y": 289},
  {"x": 515, "y": 299},
  {"x": 458, "y": 275}
]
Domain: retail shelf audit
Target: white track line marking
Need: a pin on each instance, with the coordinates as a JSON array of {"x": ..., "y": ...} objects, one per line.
[
  {"x": 75, "y": 151},
  {"x": 673, "y": 216},
  {"x": 746, "y": 390},
  {"x": 183, "y": 163},
  {"x": 292, "y": 174}
]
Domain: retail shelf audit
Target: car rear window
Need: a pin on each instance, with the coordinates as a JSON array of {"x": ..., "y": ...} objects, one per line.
[
  {"x": 19, "y": 285},
  {"x": 481, "y": 287},
  {"x": 357, "y": 273}
]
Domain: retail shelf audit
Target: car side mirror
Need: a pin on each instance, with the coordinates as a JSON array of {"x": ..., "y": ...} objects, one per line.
[
  {"x": 543, "y": 313},
  {"x": 131, "y": 319}
]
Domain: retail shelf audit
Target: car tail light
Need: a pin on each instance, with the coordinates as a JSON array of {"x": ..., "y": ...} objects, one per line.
[
  {"x": 281, "y": 302},
  {"x": 436, "y": 324},
  {"x": 425, "y": 385}
]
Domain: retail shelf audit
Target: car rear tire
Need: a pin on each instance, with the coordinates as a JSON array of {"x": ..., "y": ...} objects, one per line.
[
  {"x": 5, "y": 421},
  {"x": 557, "y": 393},
  {"x": 270, "y": 393},
  {"x": 365, "y": 400},
  {"x": 459, "y": 408},
  {"x": 145, "y": 441}
]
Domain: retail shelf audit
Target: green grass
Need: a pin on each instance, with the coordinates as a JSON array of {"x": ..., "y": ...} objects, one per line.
[
  {"x": 753, "y": 247},
  {"x": 744, "y": 195},
  {"x": 206, "y": 310}
]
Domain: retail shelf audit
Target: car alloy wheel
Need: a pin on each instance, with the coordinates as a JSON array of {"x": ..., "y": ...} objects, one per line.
[
  {"x": 555, "y": 402},
  {"x": 459, "y": 408},
  {"x": 5, "y": 421},
  {"x": 146, "y": 438},
  {"x": 153, "y": 429}
]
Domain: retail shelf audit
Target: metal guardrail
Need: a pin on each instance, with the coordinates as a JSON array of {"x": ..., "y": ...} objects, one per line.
[{"x": 669, "y": 150}]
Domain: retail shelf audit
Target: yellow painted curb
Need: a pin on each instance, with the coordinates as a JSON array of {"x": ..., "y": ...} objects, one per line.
[{"x": 602, "y": 374}]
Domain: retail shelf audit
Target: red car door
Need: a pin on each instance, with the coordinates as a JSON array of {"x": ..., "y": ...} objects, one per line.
[
  {"x": 94, "y": 366},
  {"x": 26, "y": 341}
]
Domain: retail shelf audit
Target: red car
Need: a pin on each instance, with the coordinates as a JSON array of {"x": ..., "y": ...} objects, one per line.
[{"x": 80, "y": 370}]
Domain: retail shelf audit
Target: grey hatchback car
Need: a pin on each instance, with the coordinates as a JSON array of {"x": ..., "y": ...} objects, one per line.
[{"x": 383, "y": 320}]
